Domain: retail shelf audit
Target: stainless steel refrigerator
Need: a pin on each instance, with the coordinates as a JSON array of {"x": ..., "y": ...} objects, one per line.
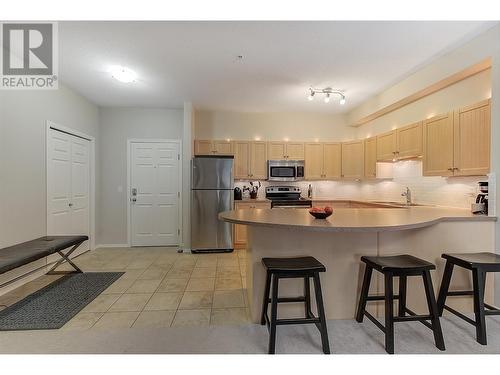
[{"x": 211, "y": 193}]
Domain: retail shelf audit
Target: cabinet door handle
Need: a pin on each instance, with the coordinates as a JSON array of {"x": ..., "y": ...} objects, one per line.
[{"x": 450, "y": 169}]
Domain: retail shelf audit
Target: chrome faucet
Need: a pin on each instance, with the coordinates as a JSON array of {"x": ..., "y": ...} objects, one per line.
[{"x": 407, "y": 194}]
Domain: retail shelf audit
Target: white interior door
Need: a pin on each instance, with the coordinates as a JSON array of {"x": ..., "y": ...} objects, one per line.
[
  {"x": 68, "y": 185},
  {"x": 154, "y": 193}
]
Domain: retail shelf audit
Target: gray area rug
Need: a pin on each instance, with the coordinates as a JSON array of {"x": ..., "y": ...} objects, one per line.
[{"x": 54, "y": 305}]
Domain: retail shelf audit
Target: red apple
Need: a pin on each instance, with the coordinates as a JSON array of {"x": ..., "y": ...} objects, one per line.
[{"x": 328, "y": 210}]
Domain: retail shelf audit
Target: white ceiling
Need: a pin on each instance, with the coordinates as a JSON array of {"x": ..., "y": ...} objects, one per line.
[{"x": 197, "y": 61}]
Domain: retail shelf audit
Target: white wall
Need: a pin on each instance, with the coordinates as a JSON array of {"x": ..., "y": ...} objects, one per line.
[
  {"x": 307, "y": 126},
  {"x": 118, "y": 125},
  {"x": 23, "y": 116}
]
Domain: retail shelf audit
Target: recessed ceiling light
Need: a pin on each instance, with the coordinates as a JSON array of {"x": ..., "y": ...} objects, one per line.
[{"x": 123, "y": 74}]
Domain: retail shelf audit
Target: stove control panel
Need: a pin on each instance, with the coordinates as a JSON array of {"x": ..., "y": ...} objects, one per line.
[{"x": 283, "y": 189}]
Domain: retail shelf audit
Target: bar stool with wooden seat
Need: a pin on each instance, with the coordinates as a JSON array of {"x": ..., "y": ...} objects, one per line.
[
  {"x": 400, "y": 266},
  {"x": 299, "y": 267},
  {"x": 480, "y": 264}
]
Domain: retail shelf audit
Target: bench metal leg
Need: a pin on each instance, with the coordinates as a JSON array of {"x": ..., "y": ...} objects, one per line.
[{"x": 65, "y": 258}]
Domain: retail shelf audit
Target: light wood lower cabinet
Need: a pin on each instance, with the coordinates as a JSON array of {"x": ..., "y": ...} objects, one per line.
[
  {"x": 353, "y": 160},
  {"x": 240, "y": 231}
]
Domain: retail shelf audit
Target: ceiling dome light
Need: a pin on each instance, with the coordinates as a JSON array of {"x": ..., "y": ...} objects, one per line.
[
  {"x": 342, "y": 101},
  {"x": 122, "y": 74},
  {"x": 327, "y": 98}
]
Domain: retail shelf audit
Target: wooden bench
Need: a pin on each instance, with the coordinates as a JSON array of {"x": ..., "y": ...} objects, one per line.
[{"x": 19, "y": 255}]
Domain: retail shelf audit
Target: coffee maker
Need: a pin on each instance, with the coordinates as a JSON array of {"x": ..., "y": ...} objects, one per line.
[{"x": 481, "y": 204}]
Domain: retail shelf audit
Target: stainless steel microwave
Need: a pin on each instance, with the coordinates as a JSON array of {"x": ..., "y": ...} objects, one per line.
[{"x": 285, "y": 170}]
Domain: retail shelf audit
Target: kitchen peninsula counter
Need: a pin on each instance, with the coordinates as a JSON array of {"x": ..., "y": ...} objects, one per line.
[
  {"x": 340, "y": 241},
  {"x": 353, "y": 219}
]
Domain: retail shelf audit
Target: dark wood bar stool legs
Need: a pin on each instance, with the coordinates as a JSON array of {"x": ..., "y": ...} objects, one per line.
[
  {"x": 400, "y": 266},
  {"x": 305, "y": 268},
  {"x": 480, "y": 264}
]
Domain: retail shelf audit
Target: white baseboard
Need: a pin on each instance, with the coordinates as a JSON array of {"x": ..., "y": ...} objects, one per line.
[{"x": 112, "y": 245}]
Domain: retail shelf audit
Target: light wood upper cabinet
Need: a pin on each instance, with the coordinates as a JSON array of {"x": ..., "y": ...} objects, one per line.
[
  {"x": 458, "y": 143},
  {"x": 313, "y": 161},
  {"x": 332, "y": 160},
  {"x": 213, "y": 147},
  {"x": 371, "y": 157},
  {"x": 322, "y": 160},
  {"x": 386, "y": 146},
  {"x": 241, "y": 159},
  {"x": 295, "y": 150},
  {"x": 250, "y": 160},
  {"x": 401, "y": 143},
  {"x": 285, "y": 150},
  {"x": 223, "y": 147},
  {"x": 438, "y": 145},
  {"x": 409, "y": 141},
  {"x": 258, "y": 160},
  {"x": 203, "y": 147},
  {"x": 276, "y": 150},
  {"x": 472, "y": 139},
  {"x": 353, "y": 159}
]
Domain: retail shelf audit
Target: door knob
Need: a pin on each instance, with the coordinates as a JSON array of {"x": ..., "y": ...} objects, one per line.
[
  {"x": 70, "y": 204},
  {"x": 134, "y": 199}
]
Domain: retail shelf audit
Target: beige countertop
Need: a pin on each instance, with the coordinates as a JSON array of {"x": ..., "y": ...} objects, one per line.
[{"x": 352, "y": 219}]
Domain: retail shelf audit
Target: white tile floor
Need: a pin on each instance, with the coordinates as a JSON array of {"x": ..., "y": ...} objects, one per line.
[{"x": 160, "y": 288}]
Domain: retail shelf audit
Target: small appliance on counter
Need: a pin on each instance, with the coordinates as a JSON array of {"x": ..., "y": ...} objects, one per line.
[
  {"x": 480, "y": 207},
  {"x": 287, "y": 197},
  {"x": 238, "y": 195}
]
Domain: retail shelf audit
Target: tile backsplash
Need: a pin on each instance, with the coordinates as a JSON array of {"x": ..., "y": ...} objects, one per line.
[{"x": 442, "y": 191}]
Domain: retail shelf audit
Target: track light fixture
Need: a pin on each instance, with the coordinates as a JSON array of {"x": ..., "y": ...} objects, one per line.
[{"x": 328, "y": 91}]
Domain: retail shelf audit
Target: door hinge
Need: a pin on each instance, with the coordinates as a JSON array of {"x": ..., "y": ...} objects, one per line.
[
  {"x": 178, "y": 194},
  {"x": 179, "y": 232},
  {"x": 178, "y": 156}
]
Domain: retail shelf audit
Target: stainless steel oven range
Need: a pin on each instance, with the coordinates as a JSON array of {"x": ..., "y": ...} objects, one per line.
[{"x": 287, "y": 197}]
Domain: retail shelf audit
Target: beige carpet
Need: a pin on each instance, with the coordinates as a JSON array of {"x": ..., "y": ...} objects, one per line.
[{"x": 346, "y": 337}]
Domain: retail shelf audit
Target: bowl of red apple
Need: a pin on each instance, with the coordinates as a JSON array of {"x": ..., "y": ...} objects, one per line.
[{"x": 321, "y": 212}]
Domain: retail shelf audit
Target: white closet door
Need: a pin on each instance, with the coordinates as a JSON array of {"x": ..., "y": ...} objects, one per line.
[
  {"x": 154, "y": 178},
  {"x": 68, "y": 182}
]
